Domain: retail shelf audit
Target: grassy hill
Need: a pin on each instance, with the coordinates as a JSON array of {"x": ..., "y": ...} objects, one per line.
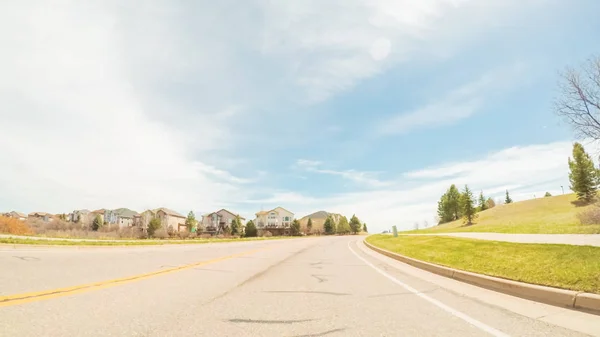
[
  {"x": 550, "y": 215},
  {"x": 318, "y": 220}
]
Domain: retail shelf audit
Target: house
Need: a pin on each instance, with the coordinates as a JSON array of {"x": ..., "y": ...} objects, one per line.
[
  {"x": 171, "y": 219},
  {"x": 97, "y": 212},
  {"x": 110, "y": 216},
  {"x": 81, "y": 216},
  {"x": 277, "y": 221},
  {"x": 168, "y": 218},
  {"x": 16, "y": 215},
  {"x": 217, "y": 221},
  {"x": 124, "y": 217},
  {"x": 46, "y": 217}
]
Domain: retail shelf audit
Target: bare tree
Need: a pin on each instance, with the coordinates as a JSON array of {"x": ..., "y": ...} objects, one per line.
[
  {"x": 416, "y": 225},
  {"x": 579, "y": 101},
  {"x": 425, "y": 224}
]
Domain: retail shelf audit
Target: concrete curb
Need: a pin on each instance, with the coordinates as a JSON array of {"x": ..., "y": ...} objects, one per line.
[{"x": 548, "y": 295}]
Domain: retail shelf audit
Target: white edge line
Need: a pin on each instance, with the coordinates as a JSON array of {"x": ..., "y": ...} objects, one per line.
[{"x": 466, "y": 318}]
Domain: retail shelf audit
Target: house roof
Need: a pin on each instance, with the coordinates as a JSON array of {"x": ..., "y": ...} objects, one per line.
[
  {"x": 38, "y": 213},
  {"x": 262, "y": 212},
  {"x": 19, "y": 214},
  {"x": 169, "y": 212},
  {"x": 282, "y": 209},
  {"x": 223, "y": 209},
  {"x": 99, "y": 211},
  {"x": 125, "y": 213}
]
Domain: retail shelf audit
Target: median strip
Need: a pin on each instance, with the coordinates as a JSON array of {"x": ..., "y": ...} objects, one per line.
[
  {"x": 506, "y": 265},
  {"x": 60, "y": 292}
]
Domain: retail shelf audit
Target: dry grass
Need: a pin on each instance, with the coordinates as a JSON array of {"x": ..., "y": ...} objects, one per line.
[
  {"x": 14, "y": 226},
  {"x": 552, "y": 215},
  {"x": 562, "y": 266}
]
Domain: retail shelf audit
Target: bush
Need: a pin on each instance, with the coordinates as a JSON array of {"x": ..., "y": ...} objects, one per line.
[
  {"x": 183, "y": 234},
  {"x": 205, "y": 236},
  {"x": 160, "y": 234},
  {"x": 267, "y": 234},
  {"x": 590, "y": 216},
  {"x": 14, "y": 226}
]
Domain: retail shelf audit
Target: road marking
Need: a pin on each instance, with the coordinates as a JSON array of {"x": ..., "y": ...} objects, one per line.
[
  {"x": 466, "y": 318},
  {"x": 54, "y": 293}
]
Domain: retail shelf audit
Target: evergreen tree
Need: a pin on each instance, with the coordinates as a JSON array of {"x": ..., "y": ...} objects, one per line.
[
  {"x": 365, "y": 228},
  {"x": 97, "y": 223},
  {"x": 547, "y": 195},
  {"x": 449, "y": 206},
  {"x": 329, "y": 226},
  {"x": 354, "y": 224},
  {"x": 190, "y": 222},
  {"x": 469, "y": 211},
  {"x": 153, "y": 225},
  {"x": 583, "y": 176},
  {"x": 482, "y": 202},
  {"x": 507, "y": 199},
  {"x": 236, "y": 223},
  {"x": 295, "y": 227},
  {"x": 309, "y": 225},
  {"x": 343, "y": 226},
  {"x": 251, "y": 230}
]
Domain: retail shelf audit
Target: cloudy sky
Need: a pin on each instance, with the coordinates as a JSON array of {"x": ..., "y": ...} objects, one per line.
[{"x": 371, "y": 107}]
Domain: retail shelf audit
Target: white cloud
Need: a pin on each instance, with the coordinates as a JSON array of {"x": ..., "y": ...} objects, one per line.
[
  {"x": 458, "y": 104},
  {"x": 524, "y": 170},
  {"x": 368, "y": 179}
]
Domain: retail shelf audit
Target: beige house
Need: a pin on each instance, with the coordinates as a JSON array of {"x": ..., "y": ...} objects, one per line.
[
  {"x": 277, "y": 221},
  {"x": 46, "y": 217},
  {"x": 221, "y": 219},
  {"x": 16, "y": 215},
  {"x": 168, "y": 218}
]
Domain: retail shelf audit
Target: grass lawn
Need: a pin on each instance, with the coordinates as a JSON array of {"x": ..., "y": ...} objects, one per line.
[
  {"x": 27, "y": 241},
  {"x": 553, "y": 215},
  {"x": 561, "y": 266}
]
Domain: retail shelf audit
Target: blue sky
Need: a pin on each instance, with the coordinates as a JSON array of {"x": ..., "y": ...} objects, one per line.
[{"x": 368, "y": 107}]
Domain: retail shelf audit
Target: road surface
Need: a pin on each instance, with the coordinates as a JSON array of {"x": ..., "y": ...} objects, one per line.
[
  {"x": 566, "y": 239},
  {"x": 327, "y": 286}
]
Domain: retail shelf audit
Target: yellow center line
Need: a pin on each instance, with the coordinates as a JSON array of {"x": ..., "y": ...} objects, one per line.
[{"x": 60, "y": 292}]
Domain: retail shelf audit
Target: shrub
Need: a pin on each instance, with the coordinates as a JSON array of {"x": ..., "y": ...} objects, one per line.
[
  {"x": 171, "y": 232},
  {"x": 590, "y": 216},
  {"x": 220, "y": 236},
  {"x": 14, "y": 226},
  {"x": 160, "y": 234},
  {"x": 267, "y": 234},
  {"x": 153, "y": 226},
  {"x": 183, "y": 234},
  {"x": 205, "y": 236}
]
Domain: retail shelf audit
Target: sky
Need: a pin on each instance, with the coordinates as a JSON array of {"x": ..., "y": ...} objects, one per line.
[{"x": 366, "y": 107}]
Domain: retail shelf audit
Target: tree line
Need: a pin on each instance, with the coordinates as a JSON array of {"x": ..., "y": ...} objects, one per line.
[
  {"x": 455, "y": 204},
  {"x": 343, "y": 226}
]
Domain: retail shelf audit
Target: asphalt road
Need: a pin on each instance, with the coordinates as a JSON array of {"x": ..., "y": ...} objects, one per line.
[{"x": 329, "y": 286}]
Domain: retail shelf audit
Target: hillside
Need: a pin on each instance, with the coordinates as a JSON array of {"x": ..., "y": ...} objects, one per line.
[
  {"x": 550, "y": 215},
  {"x": 318, "y": 220}
]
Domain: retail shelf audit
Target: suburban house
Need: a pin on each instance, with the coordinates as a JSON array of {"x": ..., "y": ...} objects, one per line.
[
  {"x": 124, "y": 217},
  {"x": 215, "y": 221},
  {"x": 277, "y": 221},
  {"x": 110, "y": 216},
  {"x": 41, "y": 215},
  {"x": 81, "y": 216},
  {"x": 16, "y": 215},
  {"x": 97, "y": 212},
  {"x": 168, "y": 218}
]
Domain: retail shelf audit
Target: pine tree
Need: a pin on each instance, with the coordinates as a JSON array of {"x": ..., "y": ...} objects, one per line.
[
  {"x": 236, "y": 223},
  {"x": 449, "y": 206},
  {"x": 343, "y": 226},
  {"x": 365, "y": 228},
  {"x": 329, "y": 226},
  {"x": 482, "y": 202},
  {"x": 354, "y": 224},
  {"x": 469, "y": 211},
  {"x": 547, "y": 195},
  {"x": 583, "y": 176},
  {"x": 250, "y": 229},
  {"x": 309, "y": 225},
  {"x": 97, "y": 223},
  {"x": 153, "y": 225},
  {"x": 190, "y": 222},
  {"x": 295, "y": 227},
  {"x": 507, "y": 199}
]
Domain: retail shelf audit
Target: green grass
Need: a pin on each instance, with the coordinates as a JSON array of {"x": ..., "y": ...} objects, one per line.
[
  {"x": 562, "y": 266},
  {"x": 553, "y": 215},
  {"x": 26, "y": 241}
]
